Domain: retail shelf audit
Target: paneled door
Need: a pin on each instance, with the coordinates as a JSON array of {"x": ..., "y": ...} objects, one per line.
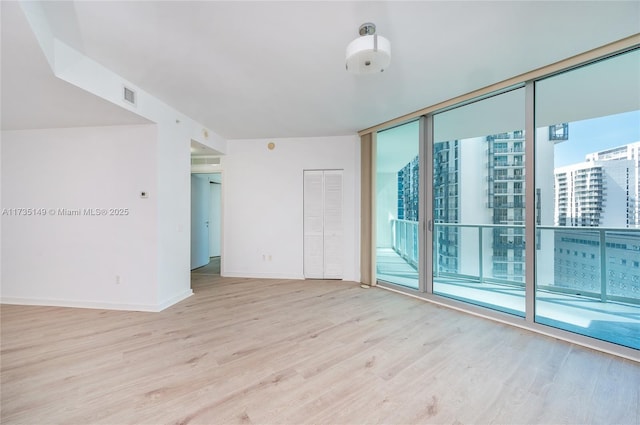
[{"x": 323, "y": 224}]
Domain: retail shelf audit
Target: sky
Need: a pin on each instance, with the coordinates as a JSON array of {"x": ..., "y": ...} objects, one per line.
[
  {"x": 597, "y": 134},
  {"x": 399, "y": 145}
]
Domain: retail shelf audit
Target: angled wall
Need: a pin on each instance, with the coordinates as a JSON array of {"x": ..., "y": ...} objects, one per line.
[{"x": 168, "y": 166}]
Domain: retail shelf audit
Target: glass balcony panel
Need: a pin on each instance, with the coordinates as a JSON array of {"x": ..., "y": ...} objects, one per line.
[
  {"x": 588, "y": 287},
  {"x": 465, "y": 268}
]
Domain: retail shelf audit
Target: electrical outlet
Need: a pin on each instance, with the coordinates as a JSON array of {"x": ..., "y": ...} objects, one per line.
[{"x": 117, "y": 279}]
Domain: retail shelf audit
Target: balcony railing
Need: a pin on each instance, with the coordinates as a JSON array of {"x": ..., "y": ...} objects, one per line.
[
  {"x": 505, "y": 191},
  {"x": 498, "y": 164},
  {"x": 478, "y": 243},
  {"x": 503, "y": 259},
  {"x": 498, "y": 177},
  {"x": 612, "y": 249},
  {"x": 492, "y": 204},
  {"x": 492, "y": 150},
  {"x": 612, "y": 252},
  {"x": 404, "y": 239}
]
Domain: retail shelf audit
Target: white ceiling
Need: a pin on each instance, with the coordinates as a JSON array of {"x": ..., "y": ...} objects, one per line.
[
  {"x": 276, "y": 69},
  {"x": 32, "y": 97}
]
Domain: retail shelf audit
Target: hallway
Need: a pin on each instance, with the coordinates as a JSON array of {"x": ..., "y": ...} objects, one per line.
[{"x": 213, "y": 268}]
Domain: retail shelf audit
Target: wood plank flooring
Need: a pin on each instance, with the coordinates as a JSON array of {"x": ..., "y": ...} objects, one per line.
[{"x": 257, "y": 351}]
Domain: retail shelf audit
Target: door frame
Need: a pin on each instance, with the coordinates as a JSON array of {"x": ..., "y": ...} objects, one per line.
[{"x": 195, "y": 170}]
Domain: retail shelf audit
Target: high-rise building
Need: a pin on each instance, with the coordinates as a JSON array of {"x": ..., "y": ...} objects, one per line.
[
  {"x": 408, "y": 183},
  {"x": 602, "y": 191},
  {"x": 505, "y": 169},
  {"x": 446, "y": 203},
  {"x": 630, "y": 177},
  {"x": 494, "y": 197},
  {"x": 408, "y": 201}
]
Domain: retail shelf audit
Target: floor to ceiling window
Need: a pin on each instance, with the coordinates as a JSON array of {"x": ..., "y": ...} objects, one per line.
[
  {"x": 397, "y": 205},
  {"x": 531, "y": 203},
  {"x": 588, "y": 200},
  {"x": 478, "y": 202}
]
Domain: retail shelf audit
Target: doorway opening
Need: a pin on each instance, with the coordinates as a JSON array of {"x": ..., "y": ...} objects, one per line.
[{"x": 206, "y": 223}]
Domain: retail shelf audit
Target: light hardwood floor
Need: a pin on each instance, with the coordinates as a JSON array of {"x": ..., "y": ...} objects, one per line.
[{"x": 278, "y": 351}]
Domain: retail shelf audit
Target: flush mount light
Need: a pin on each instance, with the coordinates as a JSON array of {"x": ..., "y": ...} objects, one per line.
[{"x": 369, "y": 53}]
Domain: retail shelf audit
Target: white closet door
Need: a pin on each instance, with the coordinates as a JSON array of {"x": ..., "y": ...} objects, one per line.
[
  {"x": 333, "y": 235},
  {"x": 323, "y": 234},
  {"x": 313, "y": 225}
]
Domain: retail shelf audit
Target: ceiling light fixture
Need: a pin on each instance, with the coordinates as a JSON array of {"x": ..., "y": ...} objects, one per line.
[{"x": 369, "y": 53}]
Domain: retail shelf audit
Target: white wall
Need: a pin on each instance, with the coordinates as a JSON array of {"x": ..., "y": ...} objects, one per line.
[
  {"x": 171, "y": 154},
  {"x": 263, "y": 203},
  {"x": 56, "y": 259},
  {"x": 1, "y": 206},
  {"x": 173, "y": 158}
]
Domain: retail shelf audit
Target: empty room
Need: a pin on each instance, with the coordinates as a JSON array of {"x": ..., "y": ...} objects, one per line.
[{"x": 323, "y": 212}]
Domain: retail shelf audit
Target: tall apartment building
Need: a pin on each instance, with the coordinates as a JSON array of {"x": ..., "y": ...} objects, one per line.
[
  {"x": 505, "y": 190},
  {"x": 408, "y": 184},
  {"x": 446, "y": 203},
  {"x": 602, "y": 192},
  {"x": 490, "y": 173},
  {"x": 408, "y": 206}
]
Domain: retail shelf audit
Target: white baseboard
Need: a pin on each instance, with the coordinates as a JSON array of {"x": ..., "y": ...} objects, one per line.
[
  {"x": 97, "y": 305},
  {"x": 263, "y": 275},
  {"x": 175, "y": 299}
]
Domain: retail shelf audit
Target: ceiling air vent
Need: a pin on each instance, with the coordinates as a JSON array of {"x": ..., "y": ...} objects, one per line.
[
  {"x": 205, "y": 160},
  {"x": 129, "y": 95}
]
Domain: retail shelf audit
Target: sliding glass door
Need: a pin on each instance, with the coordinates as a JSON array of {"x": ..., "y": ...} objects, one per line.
[
  {"x": 478, "y": 202},
  {"x": 397, "y": 205},
  {"x": 588, "y": 189}
]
